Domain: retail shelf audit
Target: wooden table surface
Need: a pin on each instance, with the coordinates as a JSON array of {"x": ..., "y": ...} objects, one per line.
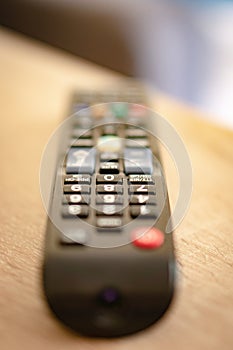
[{"x": 36, "y": 82}]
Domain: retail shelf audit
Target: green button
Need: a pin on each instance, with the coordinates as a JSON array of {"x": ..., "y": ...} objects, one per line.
[
  {"x": 109, "y": 143},
  {"x": 120, "y": 110}
]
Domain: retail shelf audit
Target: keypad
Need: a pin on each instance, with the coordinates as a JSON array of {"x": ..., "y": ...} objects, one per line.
[{"x": 108, "y": 172}]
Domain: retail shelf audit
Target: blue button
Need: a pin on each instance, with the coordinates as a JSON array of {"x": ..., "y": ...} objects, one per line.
[
  {"x": 138, "y": 161},
  {"x": 81, "y": 160}
]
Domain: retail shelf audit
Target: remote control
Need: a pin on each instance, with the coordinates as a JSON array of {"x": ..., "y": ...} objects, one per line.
[{"x": 109, "y": 264}]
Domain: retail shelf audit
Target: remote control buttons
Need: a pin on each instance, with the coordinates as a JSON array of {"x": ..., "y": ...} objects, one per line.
[
  {"x": 99, "y": 111},
  {"x": 109, "y": 188},
  {"x": 109, "y": 178},
  {"x": 137, "y": 143},
  {"x": 109, "y": 143},
  {"x": 77, "y": 179},
  {"x": 142, "y": 189},
  {"x": 143, "y": 211},
  {"x": 108, "y": 192},
  {"x": 109, "y": 130},
  {"x": 83, "y": 119},
  {"x": 136, "y": 133},
  {"x": 81, "y": 142},
  {"x": 120, "y": 110},
  {"x": 109, "y": 168},
  {"x": 81, "y": 160},
  {"x": 82, "y": 133},
  {"x": 77, "y": 237},
  {"x": 76, "y": 199},
  {"x": 77, "y": 189},
  {"x": 109, "y": 199},
  {"x": 138, "y": 161},
  {"x": 109, "y": 209},
  {"x": 75, "y": 210},
  {"x": 141, "y": 179},
  {"x": 143, "y": 199},
  {"x": 147, "y": 238},
  {"x": 105, "y": 222},
  {"x": 137, "y": 111},
  {"x": 109, "y": 157}
]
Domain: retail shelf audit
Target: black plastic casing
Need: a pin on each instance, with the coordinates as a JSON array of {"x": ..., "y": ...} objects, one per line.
[{"x": 75, "y": 278}]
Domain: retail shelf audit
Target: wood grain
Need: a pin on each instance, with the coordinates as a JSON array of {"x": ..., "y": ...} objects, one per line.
[{"x": 36, "y": 82}]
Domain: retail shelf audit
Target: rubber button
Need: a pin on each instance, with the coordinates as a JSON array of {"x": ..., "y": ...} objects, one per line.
[
  {"x": 77, "y": 237},
  {"x": 81, "y": 161},
  {"x": 138, "y": 161},
  {"x": 147, "y": 238}
]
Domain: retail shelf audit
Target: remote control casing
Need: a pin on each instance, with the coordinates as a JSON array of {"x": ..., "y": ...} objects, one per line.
[{"x": 75, "y": 276}]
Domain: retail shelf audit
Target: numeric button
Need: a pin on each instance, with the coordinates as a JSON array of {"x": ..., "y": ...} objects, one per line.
[
  {"x": 144, "y": 211},
  {"x": 75, "y": 210},
  {"x": 77, "y": 189},
  {"x": 109, "y": 188},
  {"x": 142, "y": 189},
  {"x": 109, "y": 199},
  {"x": 76, "y": 199},
  {"x": 108, "y": 209},
  {"x": 109, "y": 178},
  {"x": 143, "y": 199}
]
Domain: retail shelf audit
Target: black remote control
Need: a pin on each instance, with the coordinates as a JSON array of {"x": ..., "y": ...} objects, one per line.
[{"x": 109, "y": 264}]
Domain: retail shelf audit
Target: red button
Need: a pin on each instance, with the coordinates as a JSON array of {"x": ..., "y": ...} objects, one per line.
[
  {"x": 137, "y": 110},
  {"x": 147, "y": 238}
]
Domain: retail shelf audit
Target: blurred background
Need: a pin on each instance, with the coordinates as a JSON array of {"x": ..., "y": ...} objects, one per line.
[{"x": 182, "y": 47}]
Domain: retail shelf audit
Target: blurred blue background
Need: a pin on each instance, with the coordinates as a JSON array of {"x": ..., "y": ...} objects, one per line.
[
  {"x": 189, "y": 53},
  {"x": 184, "y": 48}
]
